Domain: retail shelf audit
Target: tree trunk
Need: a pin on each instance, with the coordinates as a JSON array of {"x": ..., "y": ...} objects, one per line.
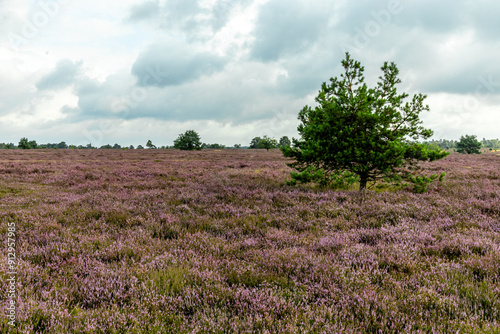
[
  {"x": 362, "y": 188},
  {"x": 362, "y": 182}
]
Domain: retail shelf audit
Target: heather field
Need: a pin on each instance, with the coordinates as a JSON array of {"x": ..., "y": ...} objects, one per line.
[{"x": 165, "y": 241}]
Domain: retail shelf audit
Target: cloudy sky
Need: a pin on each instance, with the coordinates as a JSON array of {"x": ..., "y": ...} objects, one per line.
[{"x": 127, "y": 71}]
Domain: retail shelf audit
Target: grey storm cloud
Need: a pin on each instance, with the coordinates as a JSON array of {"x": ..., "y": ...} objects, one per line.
[
  {"x": 305, "y": 39},
  {"x": 285, "y": 28},
  {"x": 64, "y": 75},
  {"x": 427, "y": 15},
  {"x": 306, "y": 74},
  {"x": 465, "y": 79},
  {"x": 171, "y": 64},
  {"x": 98, "y": 99},
  {"x": 438, "y": 46},
  {"x": 223, "y": 97},
  {"x": 13, "y": 89},
  {"x": 144, "y": 11},
  {"x": 448, "y": 16},
  {"x": 186, "y": 16},
  {"x": 182, "y": 15}
]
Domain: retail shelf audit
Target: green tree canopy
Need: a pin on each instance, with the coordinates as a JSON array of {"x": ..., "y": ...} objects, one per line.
[
  {"x": 189, "y": 140},
  {"x": 62, "y": 145},
  {"x": 264, "y": 142},
  {"x": 255, "y": 142},
  {"x": 367, "y": 133},
  {"x": 4, "y": 146},
  {"x": 285, "y": 141},
  {"x": 26, "y": 144},
  {"x": 469, "y": 145}
]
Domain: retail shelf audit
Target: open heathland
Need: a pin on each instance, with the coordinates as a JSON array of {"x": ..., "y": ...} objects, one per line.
[{"x": 166, "y": 241}]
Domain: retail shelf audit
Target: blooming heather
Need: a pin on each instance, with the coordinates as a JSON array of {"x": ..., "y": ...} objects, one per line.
[{"x": 166, "y": 241}]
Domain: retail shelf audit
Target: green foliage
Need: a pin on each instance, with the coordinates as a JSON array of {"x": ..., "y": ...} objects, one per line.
[
  {"x": 8, "y": 146},
  {"x": 285, "y": 141},
  {"x": 433, "y": 146},
  {"x": 26, "y": 144},
  {"x": 421, "y": 183},
  {"x": 255, "y": 142},
  {"x": 442, "y": 143},
  {"x": 335, "y": 180},
  {"x": 468, "y": 145},
  {"x": 62, "y": 145},
  {"x": 441, "y": 176},
  {"x": 368, "y": 132},
  {"x": 190, "y": 140},
  {"x": 213, "y": 146},
  {"x": 416, "y": 152},
  {"x": 150, "y": 145},
  {"x": 491, "y": 143},
  {"x": 264, "y": 142},
  {"x": 237, "y": 146}
]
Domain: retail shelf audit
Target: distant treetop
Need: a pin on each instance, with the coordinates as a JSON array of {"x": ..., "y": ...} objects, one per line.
[{"x": 189, "y": 140}]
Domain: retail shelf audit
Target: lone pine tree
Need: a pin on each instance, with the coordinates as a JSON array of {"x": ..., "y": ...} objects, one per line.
[{"x": 356, "y": 133}]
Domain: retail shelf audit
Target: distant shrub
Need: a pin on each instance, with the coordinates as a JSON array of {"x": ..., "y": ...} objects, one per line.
[
  {"x": 421, "y": 183},
  {"x": 335, "y": 179}
]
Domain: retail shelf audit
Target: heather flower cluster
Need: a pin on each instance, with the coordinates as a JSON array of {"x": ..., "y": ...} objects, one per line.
[{"x": 165, "y": 241}]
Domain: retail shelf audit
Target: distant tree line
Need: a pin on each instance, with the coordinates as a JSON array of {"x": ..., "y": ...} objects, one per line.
[
  {"x": 26, "y": 144},
  {"x": 190, "y": 140},
  {"x": 492, "y": 144},
  {"x": 269, "y": 143},
  {"x": 442, "y": 143}
]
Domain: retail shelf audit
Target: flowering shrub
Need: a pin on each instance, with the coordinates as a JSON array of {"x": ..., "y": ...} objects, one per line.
[{"x": 171, "y": 241}]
